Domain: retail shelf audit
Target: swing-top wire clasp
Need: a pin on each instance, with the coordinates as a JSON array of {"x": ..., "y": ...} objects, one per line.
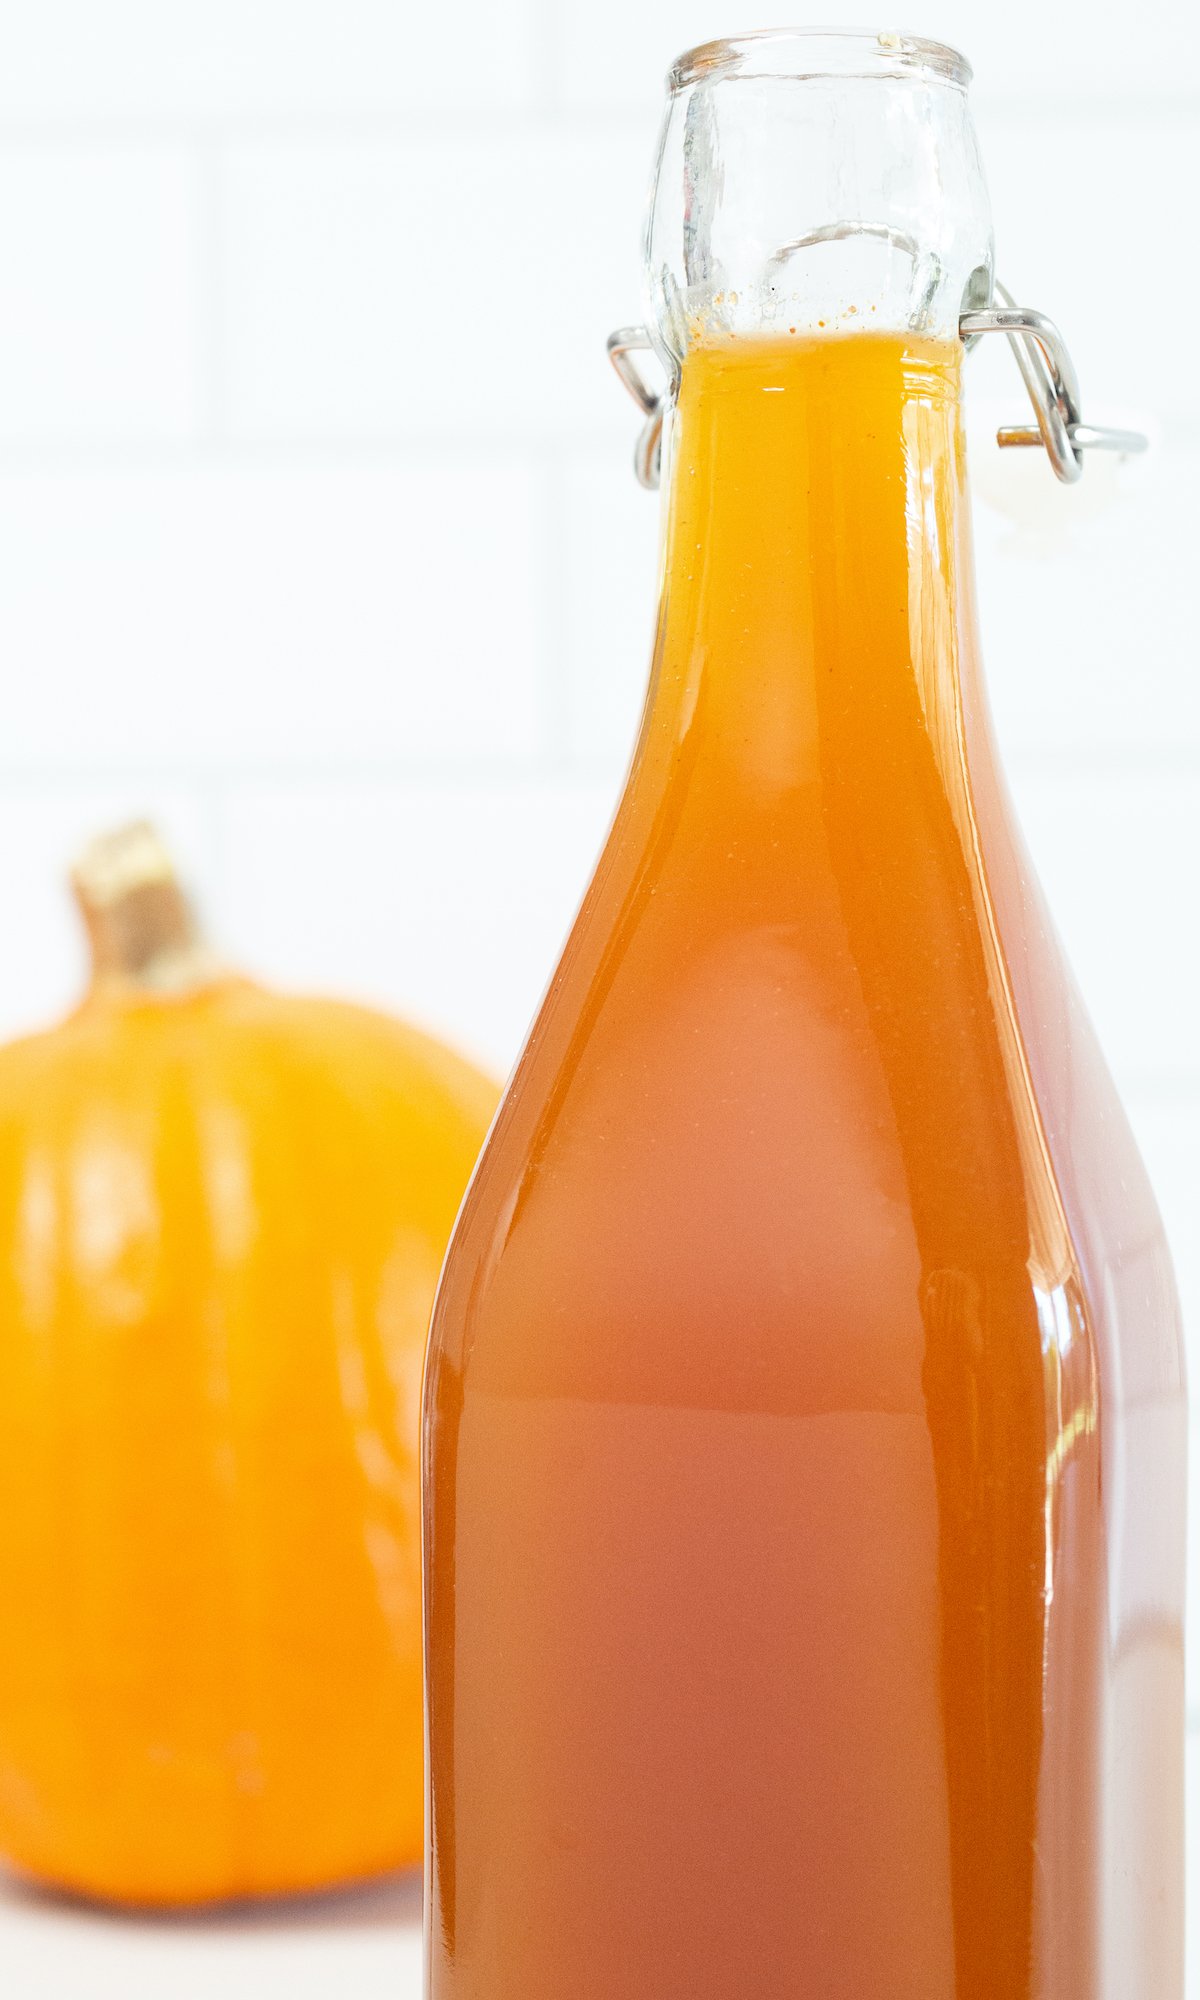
[
  {"x": 1049, "y": 376},
  {"x": 647, "y": 453},
  {"x": 1041, "y": 355}
]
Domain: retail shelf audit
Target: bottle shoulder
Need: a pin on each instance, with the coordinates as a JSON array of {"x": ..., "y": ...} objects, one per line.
[{"x": 738, "y": 1089}]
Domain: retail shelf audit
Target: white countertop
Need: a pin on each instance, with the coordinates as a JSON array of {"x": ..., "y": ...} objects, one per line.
[{"x": 366, "y": 1943}]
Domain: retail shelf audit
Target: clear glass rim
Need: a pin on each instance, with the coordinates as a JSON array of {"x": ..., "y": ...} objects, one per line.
[{"x": 808, "y": 53}]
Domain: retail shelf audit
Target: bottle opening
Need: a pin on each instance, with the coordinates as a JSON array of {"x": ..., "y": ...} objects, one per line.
[
  {"x": 809, "y": 179},
  {"x": 797, "y": 53}
]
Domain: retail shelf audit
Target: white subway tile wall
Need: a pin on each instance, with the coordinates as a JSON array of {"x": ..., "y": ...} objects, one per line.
[
  {"x": 101, "y": 294},
  {"x": 318, "y": 537}
]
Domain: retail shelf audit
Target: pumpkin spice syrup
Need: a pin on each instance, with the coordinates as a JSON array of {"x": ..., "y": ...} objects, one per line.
[{"x": 770, "y": 1648}]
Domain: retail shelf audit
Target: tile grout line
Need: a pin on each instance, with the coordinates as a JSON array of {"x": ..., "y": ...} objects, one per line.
[
  {"x": 544, "y": 439},
  {"x": 546, "y": 62},
  {"x": 393, "y": 450},
  {"x": 545, "y": 112},
  {"x": 17, "y": 773},
  {"x": 210, "y": 315},
  {"x": 553, "y": 598},
  {"x": 1111, "y": 760},
  {"x": 504, "y": 768}
]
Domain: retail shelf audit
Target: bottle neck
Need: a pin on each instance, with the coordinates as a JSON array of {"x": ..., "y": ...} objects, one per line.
[
  {"x": 807, "y": 179},
  {"x": 814, "y": 799},
  {"x": 816, "y": 607}
]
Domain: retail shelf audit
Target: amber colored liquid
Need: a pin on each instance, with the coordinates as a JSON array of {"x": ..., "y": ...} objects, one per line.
[{"x": 804, "y": 1410}]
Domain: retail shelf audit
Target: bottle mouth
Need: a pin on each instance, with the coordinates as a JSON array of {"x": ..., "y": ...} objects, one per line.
[{"x": 799, "y": 54}]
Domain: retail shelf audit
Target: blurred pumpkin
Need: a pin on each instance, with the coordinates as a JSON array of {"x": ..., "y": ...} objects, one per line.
[{"x": 222, "y": 1216}]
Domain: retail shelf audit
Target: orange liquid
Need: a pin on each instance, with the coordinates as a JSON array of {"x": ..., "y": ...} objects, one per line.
[{"x": 804, "y": 1409}]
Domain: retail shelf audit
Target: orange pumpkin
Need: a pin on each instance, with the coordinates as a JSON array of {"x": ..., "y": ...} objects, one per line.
[{"x": 222, "y": 1216}]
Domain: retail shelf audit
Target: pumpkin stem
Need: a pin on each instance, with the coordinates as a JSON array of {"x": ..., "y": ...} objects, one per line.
[{"x": 139, "y": 922}]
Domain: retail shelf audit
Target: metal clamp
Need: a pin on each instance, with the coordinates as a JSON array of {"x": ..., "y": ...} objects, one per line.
[
  {"x": 1041, "y": 355},
  {"x": 1049, "y": 376},
  {"x": 647, "y": 454}
]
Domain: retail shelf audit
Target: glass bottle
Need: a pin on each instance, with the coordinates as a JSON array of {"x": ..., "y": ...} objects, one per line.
[{"x": 804, "y": 1411}]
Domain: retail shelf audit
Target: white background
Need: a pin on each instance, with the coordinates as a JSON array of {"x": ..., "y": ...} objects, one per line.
[{"x": 318, "y": 540}]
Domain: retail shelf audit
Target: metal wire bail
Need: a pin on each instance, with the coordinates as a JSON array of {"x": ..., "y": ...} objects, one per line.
[
  {"x": 647, "y": 454},
  {"x": 1041, "y": 355},
  {"x": 1053, "y": 386}
]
